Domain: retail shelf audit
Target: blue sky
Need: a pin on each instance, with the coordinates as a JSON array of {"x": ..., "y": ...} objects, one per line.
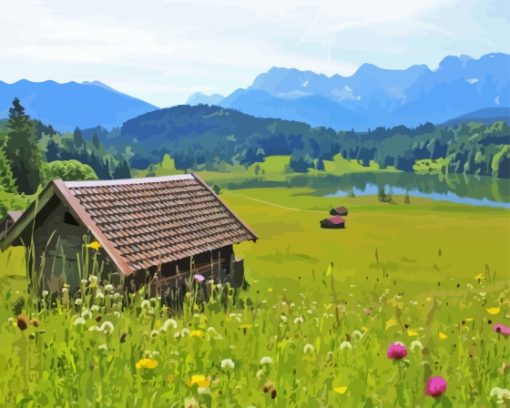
[{"x": 164, "y": 50}]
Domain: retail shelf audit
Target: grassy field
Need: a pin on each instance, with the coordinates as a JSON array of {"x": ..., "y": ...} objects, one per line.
[{"x": 432, "y": 275}]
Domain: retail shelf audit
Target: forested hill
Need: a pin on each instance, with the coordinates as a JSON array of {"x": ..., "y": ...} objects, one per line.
[
  {"x": 202, "y": 134},
  {"x": 203, "y": 137}
]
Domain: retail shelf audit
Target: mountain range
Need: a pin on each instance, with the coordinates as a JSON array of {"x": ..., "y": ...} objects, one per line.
[
  {"x": 371, "y": 97},
  {"x": 72, "y": 104}
]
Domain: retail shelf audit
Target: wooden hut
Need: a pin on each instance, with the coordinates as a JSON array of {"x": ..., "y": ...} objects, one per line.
[
  {"x": 159, "y": 229},
  {"x": 342, "y": 211},
  {"x": 334, "y": 221}
]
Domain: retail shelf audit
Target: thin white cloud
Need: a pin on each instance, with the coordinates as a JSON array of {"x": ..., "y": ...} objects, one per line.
[{"x": 163, "y": 50}]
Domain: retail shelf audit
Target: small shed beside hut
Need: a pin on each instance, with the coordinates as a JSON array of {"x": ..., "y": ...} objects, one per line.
[
  {"x": 334, "y": 221},
  {"x": 339, "y": 211}
]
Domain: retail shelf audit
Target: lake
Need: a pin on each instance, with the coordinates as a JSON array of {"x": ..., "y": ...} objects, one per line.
[{"x": 457, "y": 188}]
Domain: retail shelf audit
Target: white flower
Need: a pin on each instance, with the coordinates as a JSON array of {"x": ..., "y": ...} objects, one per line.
[
  {"x": 266, "y": 360},
  {"x": 116, "y": 295},
  {"x": 308, "y": 349},
  {"x": 219, "y": 286},
  {"x": 45, "y": 293},
  {"x": 79, "y": 321},
  {"x": 94, "y": 328},
  {"x": 108, "y": 287},
  {"x": 227, "y": 363},
  {"x": 145, "y": 304},
  {"x": 99, "y": 295},
  {"x": 345, "y": 345},
  {"x": 154, "y": 332},
  {"x": 94, "y": 308},
  {"x": 85, "y": 313},
  {"x": 357, "y": 334},
  {"x": 102, "y": 347},
  {"x": 259, "y": 374},
  {"x": 107, "y": 327},
  {"x": 416, "y": 344},
  {"x": 203, "y": 390},
  {"x": 283, "y": 318},
  {"x": 92, "y": 279},
  {"x": 65, "y": 290},
  {"x": 84, "y": 281},
  {"x": 78, "y": 302},
  {"x": 299, "y": 320},
  {"x": 168, "y": 323},
  {"x": 501, "y": 394}
]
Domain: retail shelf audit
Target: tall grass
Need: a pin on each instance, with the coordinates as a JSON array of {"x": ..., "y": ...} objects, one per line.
[{"x": 323, "y": 347}]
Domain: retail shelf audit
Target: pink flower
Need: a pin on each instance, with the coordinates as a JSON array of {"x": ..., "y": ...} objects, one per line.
[
  {"x": 436, "y": 386},
  {"x": 501, "y": 329},
  {"x": 199, "y": 278},
  {"x": 396, "y": 351}
]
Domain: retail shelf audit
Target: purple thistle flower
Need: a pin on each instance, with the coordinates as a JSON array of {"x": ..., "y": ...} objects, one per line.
[
  {"x": 436, "y": 386},
  {"x": 396, "y": 351}
]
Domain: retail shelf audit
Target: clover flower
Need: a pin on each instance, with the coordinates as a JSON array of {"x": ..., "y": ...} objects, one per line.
[
  {"x": 436, "y": 386},
  {"x": 501, "y": 329},
  {"x": 266, "y": 360},
  {"x": 227, "y": 363},
  {"x": 396, "y": 351}
]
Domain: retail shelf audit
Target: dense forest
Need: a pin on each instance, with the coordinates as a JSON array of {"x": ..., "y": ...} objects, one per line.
[
  {"x": 209, "y": 138},
  {"x": 205, "y": 136}
]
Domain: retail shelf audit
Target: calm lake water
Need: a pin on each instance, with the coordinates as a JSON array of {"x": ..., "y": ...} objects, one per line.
[
  {"x": 471, "y": 190},
  {"x": 456, "y": 188}
]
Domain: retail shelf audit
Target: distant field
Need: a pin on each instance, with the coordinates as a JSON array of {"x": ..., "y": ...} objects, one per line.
[{"x": 418, "y": 244}]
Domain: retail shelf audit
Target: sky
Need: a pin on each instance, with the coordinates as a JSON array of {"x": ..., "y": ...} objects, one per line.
[{"x": 164, "y": 50}]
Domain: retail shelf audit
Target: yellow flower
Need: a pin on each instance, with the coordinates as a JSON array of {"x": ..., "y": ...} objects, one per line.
[
  {"x": 147, "y": 363},
  {"x": 201, "y": 380},
  {"x": 196, "y": 333},
  {"x": 480, "y": 276},
  {"x": 468, "y": 319},
  {"x": 412, "y": 333},
  {"x": 390, "y": 323},
  {"x": 493, "y": 310},
  {"x": 442, "y": 335},
  {"x": 364, "y": 328},
  {"x": 429, "y": 299},
  {"x": 245, "y": 326},
  {"x": 340, "y": 390},
  {"x": 96, "y": 246},
  {"x": 269, "y": 289}
]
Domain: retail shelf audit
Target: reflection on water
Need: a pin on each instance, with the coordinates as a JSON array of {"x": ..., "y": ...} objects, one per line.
[
  {"x": 372, "y": 189},
  {"x": 456, "y": 188}
]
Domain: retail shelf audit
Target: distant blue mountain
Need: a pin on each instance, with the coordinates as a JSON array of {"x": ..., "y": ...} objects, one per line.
[
  {"x": 374, "y": 96},
  {"x": 72, "y": 104},
  {"x": 199, "y": 98},
  {"x": 485, "y": 116}
]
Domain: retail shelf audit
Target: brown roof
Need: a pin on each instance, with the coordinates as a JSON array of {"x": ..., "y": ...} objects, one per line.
[{"x": 148, "y": 221}]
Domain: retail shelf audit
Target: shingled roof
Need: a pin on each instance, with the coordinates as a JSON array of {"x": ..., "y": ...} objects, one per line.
[{"x": 148, "y": 221}]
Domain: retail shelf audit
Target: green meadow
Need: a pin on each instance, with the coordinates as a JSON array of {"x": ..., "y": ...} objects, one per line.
[{"x": 312, "y": 329}]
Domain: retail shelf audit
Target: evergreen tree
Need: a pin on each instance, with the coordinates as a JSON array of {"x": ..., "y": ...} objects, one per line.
[
  {"x": 52, "y": 151},
  {"x": 21, "y": 149},
  {"x": 77, "y": 138},
  {"x": 121, "y": 171},
  {"x": 95, "y": 141},
  {"x": 7, "y": 182}
]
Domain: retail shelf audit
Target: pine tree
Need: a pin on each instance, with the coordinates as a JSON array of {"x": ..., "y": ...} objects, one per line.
[
  {"x": 7, "y": 182},
  {"x": 21, "y": 149},
  {"x": 77, "y": 138},
  {"x": 121, "y": 171}
]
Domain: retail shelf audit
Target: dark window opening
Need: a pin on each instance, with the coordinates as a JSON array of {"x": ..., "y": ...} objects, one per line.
[{"x": 69, "y": 219}]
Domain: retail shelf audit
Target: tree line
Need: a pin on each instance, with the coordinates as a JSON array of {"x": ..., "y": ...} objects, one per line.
[{"x": 32, "y": 153}]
